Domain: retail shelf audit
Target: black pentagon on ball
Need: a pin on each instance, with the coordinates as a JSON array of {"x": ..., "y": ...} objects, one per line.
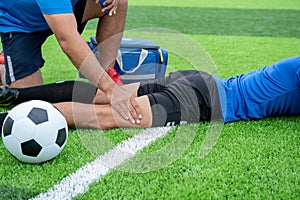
[
  {"x": 31, "y": 148},
  {"x": 61, "y": 137},
  {"x": 38, "y": 115},
  {"x": 7, "y": 126}
]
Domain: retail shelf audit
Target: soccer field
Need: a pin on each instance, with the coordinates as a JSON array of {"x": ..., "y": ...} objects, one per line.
[{"x": 241, "y": 160}]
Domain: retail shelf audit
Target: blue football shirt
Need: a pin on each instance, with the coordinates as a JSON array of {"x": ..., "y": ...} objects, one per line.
[
  {"x": 269, "y": 91},
  {"x": 27, "y": 15}
]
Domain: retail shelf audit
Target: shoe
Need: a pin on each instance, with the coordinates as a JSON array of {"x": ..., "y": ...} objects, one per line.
[
  {"x": 115, "y": 76},
  {"x": 8, "y": 95}
]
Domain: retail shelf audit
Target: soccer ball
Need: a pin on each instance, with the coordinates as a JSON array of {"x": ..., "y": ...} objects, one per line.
[{"x": 34, "y": 131}]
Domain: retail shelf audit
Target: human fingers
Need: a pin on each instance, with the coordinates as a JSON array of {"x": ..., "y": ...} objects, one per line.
[
  {"x": 125, "y": 111},
  {"x": 108, "y": 2},
  {"x": 135, "y": 110},
  {"x": 121, "y": 110},
  {"x": 113, "y": 11},
  {"x": 107, "y": 8},
  {"x": 120, "y": 101},
  {"x": 111, "y": 6}
]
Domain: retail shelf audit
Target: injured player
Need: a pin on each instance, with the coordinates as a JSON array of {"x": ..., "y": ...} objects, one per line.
[{"x": 182, "y": 97}]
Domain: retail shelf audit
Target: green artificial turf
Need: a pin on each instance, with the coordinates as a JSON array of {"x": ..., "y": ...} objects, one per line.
[
  {"x": 251, "y": 160},
  {"x": 216, "y": 21},
  {"x": 254, "y": 4}
]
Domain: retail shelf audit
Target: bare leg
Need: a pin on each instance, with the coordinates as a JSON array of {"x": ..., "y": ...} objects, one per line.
[
  {"x": 102, "y": 116},
  {"x": 2, "y": 74},
  {"x": 28, "y": 81},
  {"x": 109, "y": 31}
]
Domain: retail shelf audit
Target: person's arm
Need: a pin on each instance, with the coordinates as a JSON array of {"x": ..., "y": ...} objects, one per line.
[
  {"x": 73, "y": 45},
  {"x": 100, "y": 97}
]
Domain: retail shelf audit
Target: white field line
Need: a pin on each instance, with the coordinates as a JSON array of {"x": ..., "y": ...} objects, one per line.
[{"x": 78, "y": 182}]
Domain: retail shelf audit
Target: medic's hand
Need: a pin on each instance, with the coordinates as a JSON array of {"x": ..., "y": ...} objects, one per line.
[
  {"x": 123, "y": 101},
  {"x": 110, "y": 5}
]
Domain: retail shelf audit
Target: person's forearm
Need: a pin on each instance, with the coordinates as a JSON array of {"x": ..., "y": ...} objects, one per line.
[
  {"x": 85, "y": 61},
  {"x": 120, "y": 99},
  {"x": 101, "y": 98}
]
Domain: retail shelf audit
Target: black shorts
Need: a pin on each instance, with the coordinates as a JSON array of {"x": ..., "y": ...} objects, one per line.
[
  {"x": 23, "y": 51},
  {"x": 183, "y": 97}
]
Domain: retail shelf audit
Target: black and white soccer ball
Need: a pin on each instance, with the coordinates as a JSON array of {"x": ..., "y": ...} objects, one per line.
[{"x": 34, "y": 131}]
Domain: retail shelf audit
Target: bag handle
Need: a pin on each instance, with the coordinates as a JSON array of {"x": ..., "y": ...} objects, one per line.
[{"x": 143, "y": 56}]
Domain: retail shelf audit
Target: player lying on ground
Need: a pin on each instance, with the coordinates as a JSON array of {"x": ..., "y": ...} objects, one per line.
[{"x": 182, "y": 97}]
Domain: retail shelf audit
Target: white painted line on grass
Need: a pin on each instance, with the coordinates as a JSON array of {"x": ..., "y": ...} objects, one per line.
[{"x": 78, "y": 182}]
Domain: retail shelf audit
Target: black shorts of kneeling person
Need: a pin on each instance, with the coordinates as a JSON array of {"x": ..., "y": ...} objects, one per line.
[{"x": 186, "y": 96}]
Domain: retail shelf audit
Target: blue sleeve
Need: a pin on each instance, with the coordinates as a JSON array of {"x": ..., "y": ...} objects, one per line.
[
  {"x": 55, "y": 6},
  {"x": 269, "y": 91}
]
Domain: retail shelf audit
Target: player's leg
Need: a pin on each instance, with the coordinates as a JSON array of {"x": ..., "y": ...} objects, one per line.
[
  {"x": 2, "y": 73},
  {"x": 75, "y": 91},
  {"x": 102, "y": 116},
  {"x": 109, "y": 31},
  {"x": 23, "y": 58},
  {"x": 65, "y": 91},
  {"x": 155, "y": 103},
  {"x": 30, "y": 80},
  {"x": 177, "y": 100},
  {"x": 182, "y": 97},
  {"x": 2, "y": 68},
  {"x": 80, "y": 115}
]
